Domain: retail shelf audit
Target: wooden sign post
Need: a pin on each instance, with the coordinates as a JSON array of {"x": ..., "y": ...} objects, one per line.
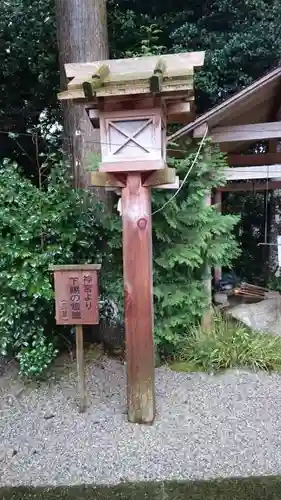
[
  {"x": 131, "y": 101},
  {"x": 76, "y": 295}
]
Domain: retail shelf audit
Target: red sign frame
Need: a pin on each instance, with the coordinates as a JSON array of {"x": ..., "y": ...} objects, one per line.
[{"x": 76, "y": 294}]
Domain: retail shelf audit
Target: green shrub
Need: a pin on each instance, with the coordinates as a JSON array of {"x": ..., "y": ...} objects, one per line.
[
  {"x": 229, "y": 345},
  {"x": 188, "y": 237},
  {"x": 60, "y": 225},
  {"x": 34, "y": 360},
  {"x": 39, "y": 228}
]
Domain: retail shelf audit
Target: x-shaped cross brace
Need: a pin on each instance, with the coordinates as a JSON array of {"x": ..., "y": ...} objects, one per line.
[{"x": 130, "y": 137}]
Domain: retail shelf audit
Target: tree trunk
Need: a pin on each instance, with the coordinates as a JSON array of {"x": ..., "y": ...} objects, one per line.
[{"x": 82, "y": 37}]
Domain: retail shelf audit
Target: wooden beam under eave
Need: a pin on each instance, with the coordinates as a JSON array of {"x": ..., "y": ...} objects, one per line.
[
  {"x": 234, "y": 187},
  {"x": 178, "y": 107},
  {"x": 253, "y": 172},
  {"x": 241, "y": 133},
  {"x": 103, "y": 179},
  {"x": 165, "y": 176},
  {"x": 200, "y": 131},
  {"x": 181, "y": 118},
  {"x": 253, "y": 159},
  {"x": 173, "y": 185},
  {"x": 180, "y": 112}
]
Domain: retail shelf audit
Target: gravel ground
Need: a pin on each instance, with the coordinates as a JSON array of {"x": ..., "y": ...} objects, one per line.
[{"x": 206, "y": 427}]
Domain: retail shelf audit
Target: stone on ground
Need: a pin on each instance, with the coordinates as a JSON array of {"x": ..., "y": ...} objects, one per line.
[{"x": 263, "y": 316}]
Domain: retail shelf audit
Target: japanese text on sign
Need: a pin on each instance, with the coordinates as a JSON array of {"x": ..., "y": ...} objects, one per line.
[
  {"x": 63, "y": 309},
  {"x": 75, "y": 302},
  {"x": 88, "y": 291}
]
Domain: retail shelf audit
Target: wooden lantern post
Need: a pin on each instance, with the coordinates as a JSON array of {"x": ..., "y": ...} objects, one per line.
[
  {"x": 137, "y": 265},
  {"x": 131, "y": 100},
  {"x": 76, "y": 294}
]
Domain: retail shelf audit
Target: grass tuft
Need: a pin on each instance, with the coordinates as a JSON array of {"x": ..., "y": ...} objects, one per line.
[{"x": 229, "y": 345}]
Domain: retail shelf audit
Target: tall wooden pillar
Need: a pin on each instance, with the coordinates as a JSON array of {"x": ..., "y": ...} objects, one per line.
[
  {"x": 138, "y": 288},
  {"x": 207, "y": 316},
  {"x": 217, "y": 200}
]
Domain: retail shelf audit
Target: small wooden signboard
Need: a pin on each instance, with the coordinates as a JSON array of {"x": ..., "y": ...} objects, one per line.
[{"x": 76, "y": 295}]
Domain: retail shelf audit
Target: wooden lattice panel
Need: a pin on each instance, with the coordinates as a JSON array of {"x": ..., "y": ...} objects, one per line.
[{"x": 132, "y": 136}]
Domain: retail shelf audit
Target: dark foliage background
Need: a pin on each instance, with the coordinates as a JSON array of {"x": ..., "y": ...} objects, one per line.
[{"x": 242, "y": 41}]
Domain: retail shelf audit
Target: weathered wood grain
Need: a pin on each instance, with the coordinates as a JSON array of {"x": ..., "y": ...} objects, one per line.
[
  {"x": 253, "y": 172},
  {"x": 138, "y": 290},
  {"x": 248, "y": 132}
]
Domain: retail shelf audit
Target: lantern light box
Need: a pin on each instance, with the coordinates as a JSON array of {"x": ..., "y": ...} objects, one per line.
[
  {"x": 132, "y": 140},
  {"x": 131, "y": 100}
]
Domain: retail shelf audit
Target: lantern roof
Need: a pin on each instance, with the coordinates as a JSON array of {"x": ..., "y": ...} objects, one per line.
[{"x": 161, "y": 74}]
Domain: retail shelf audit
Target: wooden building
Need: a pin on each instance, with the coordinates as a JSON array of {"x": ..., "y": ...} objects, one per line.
[{"x": 248, "y": 118}]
